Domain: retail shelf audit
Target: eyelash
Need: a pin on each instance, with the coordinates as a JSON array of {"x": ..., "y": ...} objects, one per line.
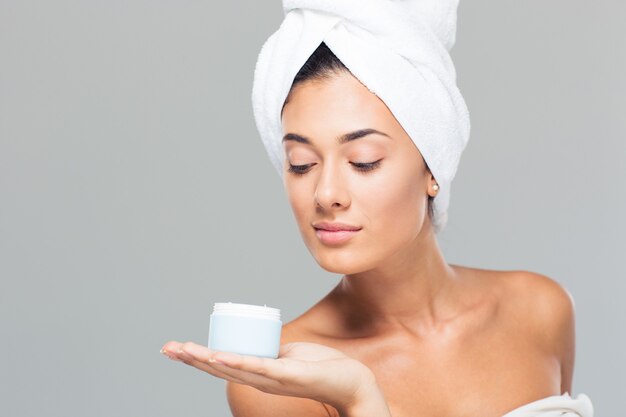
[{"x": 360, "y": 166}]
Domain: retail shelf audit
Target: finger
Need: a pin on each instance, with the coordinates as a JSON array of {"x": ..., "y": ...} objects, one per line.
[
  {"x": 201, "y": 358},
  {"x": 213, "y": 369},
  {"x": 199, "y": 352},
  {"x": 249, "y": 363},
  {"x": 173, "y": 351},
  {"x": 170, "y": 349},
  {"x": 253, "y": 370},
  {"x": 242, "y": 377}
]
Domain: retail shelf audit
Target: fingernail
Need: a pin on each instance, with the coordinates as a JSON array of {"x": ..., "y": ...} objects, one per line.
[
  {"x": 184, "y": 354},
  {"x": 169, "y": 354},
  {"x": 224, "y": 357}
]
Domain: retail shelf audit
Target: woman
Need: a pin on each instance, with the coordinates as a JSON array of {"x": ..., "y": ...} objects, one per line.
[
  {"x": 439, "y": 339},
  {"x": 403, "y": 333}
]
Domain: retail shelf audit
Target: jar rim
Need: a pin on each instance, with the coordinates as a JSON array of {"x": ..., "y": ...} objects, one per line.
[{"x": 230, "y": 308}]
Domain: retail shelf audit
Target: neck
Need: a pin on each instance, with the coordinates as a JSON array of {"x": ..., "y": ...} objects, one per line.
[{"x": 410, "y": 290}]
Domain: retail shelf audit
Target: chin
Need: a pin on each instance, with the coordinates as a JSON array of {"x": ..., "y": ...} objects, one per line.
[{"x": 341, "y": 261}]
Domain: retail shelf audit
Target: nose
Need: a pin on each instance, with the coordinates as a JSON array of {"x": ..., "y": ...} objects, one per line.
[{"x": 330, "y": 191}]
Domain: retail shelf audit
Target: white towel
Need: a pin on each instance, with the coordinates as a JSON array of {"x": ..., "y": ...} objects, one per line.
[
  {"x": 399, "y": 49},
  {"x": 555, "y": 406}
]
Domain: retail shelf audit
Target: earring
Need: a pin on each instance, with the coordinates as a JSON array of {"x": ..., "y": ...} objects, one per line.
[{"x": 436, "y": 187}]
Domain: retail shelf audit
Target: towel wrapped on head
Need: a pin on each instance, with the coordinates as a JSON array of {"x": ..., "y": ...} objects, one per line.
[{"x": 398, "y": 49}]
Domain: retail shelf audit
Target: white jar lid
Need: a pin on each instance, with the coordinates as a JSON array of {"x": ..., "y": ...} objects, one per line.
[{"x": 250, "y": 310}]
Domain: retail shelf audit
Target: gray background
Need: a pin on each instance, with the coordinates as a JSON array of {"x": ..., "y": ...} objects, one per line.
[{"x": 135, "y": 191}]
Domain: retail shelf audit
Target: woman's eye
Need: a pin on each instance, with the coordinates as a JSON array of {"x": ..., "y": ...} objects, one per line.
[
  {"x": 298, "y": 169},
  {"x": 360, "y": 166},
  {"x": 366, "y": 166}
]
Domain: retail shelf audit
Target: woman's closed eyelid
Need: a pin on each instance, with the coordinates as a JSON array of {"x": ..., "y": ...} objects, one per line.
[
  {"x": 362, "y": 167},
  {"x": 358, "y": 161}
]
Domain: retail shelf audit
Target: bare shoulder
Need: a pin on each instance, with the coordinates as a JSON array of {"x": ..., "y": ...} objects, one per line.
[
  {"x": 534, "y": 303},
  {"x": 248, "y": 401},
  {"x": 541, "y": 299},
  {"x": 547, "y": 308}
]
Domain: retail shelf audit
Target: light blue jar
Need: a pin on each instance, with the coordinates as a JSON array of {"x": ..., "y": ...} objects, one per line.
[{"x": 245, "y": 329}]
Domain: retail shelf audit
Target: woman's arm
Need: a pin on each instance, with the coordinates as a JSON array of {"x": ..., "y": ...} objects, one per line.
[
  {"x": 246, "y": 401},
  {"x": 370, "y": 402},
  {"x": 305, "y": 370},
  {"x": 554, "y": 322},
  {"x": 563, "y": 331}
]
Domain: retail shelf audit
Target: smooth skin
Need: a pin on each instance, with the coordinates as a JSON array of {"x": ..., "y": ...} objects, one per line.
[{"x": 409, "y": 334}]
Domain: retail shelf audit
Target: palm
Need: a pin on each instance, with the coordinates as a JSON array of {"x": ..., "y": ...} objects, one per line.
[
  {"x": 305, "y": 351},
  {"x": 311, "y": 364},
  {"x": 302, "y": 369}
]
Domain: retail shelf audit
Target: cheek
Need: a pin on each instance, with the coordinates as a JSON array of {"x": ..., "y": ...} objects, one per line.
[
  {"x": 392, "y": 205},
  {"x": 300, "y": 200}
]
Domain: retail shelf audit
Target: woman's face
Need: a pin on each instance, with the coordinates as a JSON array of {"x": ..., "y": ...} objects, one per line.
[{"x": 376, "y": 182}]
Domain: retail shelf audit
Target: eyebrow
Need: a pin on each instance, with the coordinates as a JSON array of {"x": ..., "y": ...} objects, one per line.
[{"x": 357, "y": 134}]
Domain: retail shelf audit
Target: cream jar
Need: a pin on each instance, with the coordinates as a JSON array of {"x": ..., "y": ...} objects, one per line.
[{"x": 245, "y": 329}]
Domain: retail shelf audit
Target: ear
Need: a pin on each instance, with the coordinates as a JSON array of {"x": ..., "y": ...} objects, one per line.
[{"x": 433, "y": 186}]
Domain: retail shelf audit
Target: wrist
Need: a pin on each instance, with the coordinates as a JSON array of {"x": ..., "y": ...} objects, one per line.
[{"x": 368, "y": 401}]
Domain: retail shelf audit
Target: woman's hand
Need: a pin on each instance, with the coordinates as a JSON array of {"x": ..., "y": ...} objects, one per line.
[{"x": 302, "y": 369}]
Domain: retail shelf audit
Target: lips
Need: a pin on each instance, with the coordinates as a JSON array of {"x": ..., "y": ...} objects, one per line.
[
  {"x": 335, "y": 226},
  {"x": 335, "y": 233}
]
